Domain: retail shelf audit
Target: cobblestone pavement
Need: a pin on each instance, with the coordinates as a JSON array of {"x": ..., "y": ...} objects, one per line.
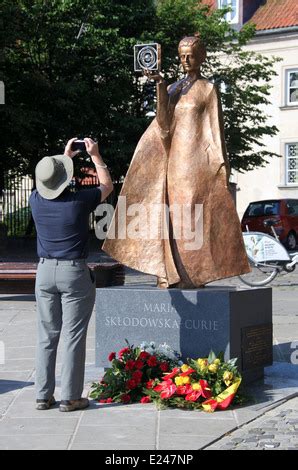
[{"x": 275, "y": 430}]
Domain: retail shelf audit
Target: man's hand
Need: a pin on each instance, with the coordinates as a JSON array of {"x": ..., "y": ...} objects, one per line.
[
  {"x": 91, "y": 147},
  {"x": 68, "y": 152}
]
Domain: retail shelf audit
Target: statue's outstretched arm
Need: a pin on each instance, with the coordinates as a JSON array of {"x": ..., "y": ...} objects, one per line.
[{"x": 163, "y": 111}]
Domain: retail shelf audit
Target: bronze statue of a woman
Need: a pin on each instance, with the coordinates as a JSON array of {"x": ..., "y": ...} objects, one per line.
[{"x": 181, "y": 162}]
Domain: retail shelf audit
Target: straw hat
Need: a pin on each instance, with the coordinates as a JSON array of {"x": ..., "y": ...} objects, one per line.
[{"x": 53, "y": 174}]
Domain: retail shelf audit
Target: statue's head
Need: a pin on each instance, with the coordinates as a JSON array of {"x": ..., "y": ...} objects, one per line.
[{"x": 192, "y": 53}]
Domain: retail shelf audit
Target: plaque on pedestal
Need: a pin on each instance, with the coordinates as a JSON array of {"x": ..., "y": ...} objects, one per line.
[{"x": 235, "y": 321}]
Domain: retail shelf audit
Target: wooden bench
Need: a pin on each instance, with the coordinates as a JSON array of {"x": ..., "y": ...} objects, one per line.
[{"x": 19, "y": 278}]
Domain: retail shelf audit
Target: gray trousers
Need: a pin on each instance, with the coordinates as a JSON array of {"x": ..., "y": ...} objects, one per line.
[{"x": 65, "y": 296}]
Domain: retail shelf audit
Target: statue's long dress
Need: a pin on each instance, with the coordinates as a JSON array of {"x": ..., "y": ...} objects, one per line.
[{"x": 181, "y": 159}]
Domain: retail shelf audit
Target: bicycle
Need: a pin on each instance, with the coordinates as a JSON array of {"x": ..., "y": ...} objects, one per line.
[{"x": 267, "y": 258}]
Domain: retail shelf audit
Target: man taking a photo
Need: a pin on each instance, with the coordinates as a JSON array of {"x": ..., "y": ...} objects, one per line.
[{"x": 65, "y": 286}]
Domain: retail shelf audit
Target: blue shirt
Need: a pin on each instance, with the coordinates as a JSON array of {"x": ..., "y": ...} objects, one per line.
[{"x": 62, "y": 224}]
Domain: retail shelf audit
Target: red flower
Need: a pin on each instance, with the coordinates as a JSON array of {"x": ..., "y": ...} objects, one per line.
[
  {"x": 109, "y": 400},
  {"x": 125, "y": 398},
  {"x": 102, "y": 401},
  {"x": 137, "y": 375},
  {"x": 163, "y": 385},
  {"x": 206, "y": 392},
  {"x": 152, "y": 361},
  {"x": 150, "y": 384},
  {"x": 123, "y": 351},
  {"x": 131, "y": 384},
  {"x": 112, "y": 356},
  {"x": 164, "y": 366},
  {"x": 188, "y": 372},
  {"x": 194, "y": 395},
  {"x": 168, "y": 391},
  {"x": 172, "y": 374},
  {"x": 144, "y": 355},
  {"x": 146, "y": 399},
  {"x": 139, "y": 364},
  {"x": 130, "y": 364},
  {"x": 183, "y": 389}
]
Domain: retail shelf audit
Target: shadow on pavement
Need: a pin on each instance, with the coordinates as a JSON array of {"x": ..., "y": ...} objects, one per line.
[
  {"x": 9, "y": 385},
  {"x": 17, "y": 297}
]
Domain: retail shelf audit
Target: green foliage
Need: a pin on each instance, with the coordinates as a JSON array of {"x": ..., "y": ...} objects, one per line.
[
  {"x": 17, "y": 222},
  {"x": 59, "y": 85}
]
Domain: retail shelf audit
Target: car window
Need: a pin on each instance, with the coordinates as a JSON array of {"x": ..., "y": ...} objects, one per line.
[
  {"x": 292, "y": 207},
  {"x": 257, "y": 209}
]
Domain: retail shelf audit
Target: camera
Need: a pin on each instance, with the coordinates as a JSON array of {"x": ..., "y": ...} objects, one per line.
[
  {"x": 146, "y": 56},
  {"x": 78, "y": 145}
]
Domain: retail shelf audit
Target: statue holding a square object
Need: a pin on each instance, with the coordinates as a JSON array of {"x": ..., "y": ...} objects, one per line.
[{"x": 181, "y": 162}]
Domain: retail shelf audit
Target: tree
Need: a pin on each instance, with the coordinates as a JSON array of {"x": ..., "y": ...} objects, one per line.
[
  {"x": 68, "y": 70},
  {"x": 59, "y": 85}
]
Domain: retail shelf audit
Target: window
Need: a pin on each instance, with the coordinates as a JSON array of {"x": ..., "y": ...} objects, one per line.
[
  {"x": 292, "y": 87},
  {"x": 292, "y": 163},
  {"x": 257, "y": 209},
  {"x": 232, "y": 16}
]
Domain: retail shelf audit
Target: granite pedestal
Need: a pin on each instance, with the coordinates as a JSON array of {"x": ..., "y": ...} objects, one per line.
[{"x": 235, "y": 321}]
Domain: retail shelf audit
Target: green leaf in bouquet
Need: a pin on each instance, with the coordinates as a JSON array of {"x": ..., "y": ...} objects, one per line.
[
  {"x": 116, "y": 364},
  {"x": 232, "y": 362},
  {"x": 211, "y": 357},
  {"x": 217, "y": 388},
  {"x": 149, "y": 391},
  {"x": 221, "y": 356},
  {"x": 108, "y": 377},
  {"x": 194, "y": 365}
]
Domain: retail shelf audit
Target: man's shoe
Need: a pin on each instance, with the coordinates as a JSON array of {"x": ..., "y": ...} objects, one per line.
[
  {"x": 72, "y": 405},
  {"x": 45, "y": 404}
]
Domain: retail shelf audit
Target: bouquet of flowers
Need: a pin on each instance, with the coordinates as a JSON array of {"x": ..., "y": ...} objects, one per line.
[
  {"x": 207, "y": 383},
  {"x": 133, "y": 371}
]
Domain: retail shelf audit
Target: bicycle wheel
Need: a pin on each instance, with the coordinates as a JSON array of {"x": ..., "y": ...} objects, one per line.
[{"x": 261, "y": 274}]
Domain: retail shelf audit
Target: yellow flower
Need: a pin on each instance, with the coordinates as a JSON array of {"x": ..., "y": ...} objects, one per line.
[
  {"x": 213, "y": 368},
  {"x": 216, "y": 361},
  {"x": 196, "y": 386},
  {"x": 186, "y": 380},
  {"x": 228, "y": 377},
  {"x": 201, "y": 360},
  {"x": 179, "y": 380},
  {"x": 203, "y": 364},
  {"x": 184, "y": 368}
]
